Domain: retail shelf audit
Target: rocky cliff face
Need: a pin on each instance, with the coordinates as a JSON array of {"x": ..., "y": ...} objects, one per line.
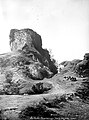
[
  {"x": 32, "y": 88},
  {"x": 83, "y": 67},
  {"x": 28, "y": 61},
  {"x": 29, "y": 42}
]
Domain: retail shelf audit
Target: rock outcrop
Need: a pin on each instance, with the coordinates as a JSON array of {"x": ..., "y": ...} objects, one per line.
[
  {"x": 31, "y": 88},
  {"x": 28, "y": 41},
  {"x": 83, "y": 67},
  {"x": 68, "y": 66},
  {"x": 28, "y": 61}
]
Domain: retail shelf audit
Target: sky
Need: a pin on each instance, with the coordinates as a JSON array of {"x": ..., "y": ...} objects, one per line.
[{"x": 62, "y": 24}]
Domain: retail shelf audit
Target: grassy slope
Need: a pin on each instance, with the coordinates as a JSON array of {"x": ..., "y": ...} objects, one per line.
[{"x": 61, "y": 101}]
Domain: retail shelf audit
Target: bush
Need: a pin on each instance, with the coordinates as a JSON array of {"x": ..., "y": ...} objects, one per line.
[{"x": 36, "y": 111}]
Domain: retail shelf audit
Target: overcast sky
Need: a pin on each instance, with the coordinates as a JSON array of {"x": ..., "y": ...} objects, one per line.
[{"x": 62, "y": 24}]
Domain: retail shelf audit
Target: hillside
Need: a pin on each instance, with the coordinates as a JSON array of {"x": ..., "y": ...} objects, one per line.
[{"x": 32, "y": 86}]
